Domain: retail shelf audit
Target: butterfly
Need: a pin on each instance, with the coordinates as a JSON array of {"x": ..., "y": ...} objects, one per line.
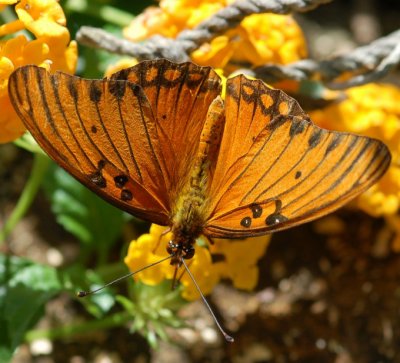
[{"x": 159, "y": 142}]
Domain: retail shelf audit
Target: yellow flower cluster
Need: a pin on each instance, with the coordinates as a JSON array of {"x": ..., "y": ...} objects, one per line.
[
  {"x": 259, "y": 39},
  {"x": 372, "y": 110},
  {"x": 225, "y": 259},
  {"x": 51, "y": 49}
]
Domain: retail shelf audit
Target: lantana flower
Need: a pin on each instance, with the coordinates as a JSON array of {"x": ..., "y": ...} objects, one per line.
[
  {"x": 51, "y": 49},
  {"x": 225, "y": 259},
  {"x": 372, "y": 110},
  {"x": 259, "y": 39}
]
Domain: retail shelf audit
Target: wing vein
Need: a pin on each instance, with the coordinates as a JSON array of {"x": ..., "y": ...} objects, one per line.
[
  {"x": 50, "y": 118},
  {"x": 330, "y": 171}
]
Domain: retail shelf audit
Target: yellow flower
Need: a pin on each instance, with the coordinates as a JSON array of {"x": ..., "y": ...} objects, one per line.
[
  {"x": 121, "y": 64},
  {"x": 241, "y": 257},
  {"x": 371, "y": 110},
  {"x": 383, "y": 199},
  {"x": 235, "y": 260},
  {"x": 51, "y": 49},
  {"x": 259, "y": 39}
]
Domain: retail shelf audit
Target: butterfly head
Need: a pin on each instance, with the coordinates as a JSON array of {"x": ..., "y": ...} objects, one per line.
[{"x": 179, "y": 251}]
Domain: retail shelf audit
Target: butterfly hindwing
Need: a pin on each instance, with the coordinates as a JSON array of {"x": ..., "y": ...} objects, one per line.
[
  {"x": 290, "y": 171},
  {"x": 102, "y": 132}
]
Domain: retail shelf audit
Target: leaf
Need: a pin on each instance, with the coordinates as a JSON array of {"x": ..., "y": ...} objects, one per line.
[
  {"x": 94, "y": 222},
  {"x": 25, "y": 288},
  {"x": 152, "y": 339},
  {"x": 77, "y": 278}
]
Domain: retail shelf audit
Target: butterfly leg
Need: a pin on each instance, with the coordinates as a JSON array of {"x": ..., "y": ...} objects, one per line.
[
  {"x": 159, "y": 239},
  {"x": 174, "y": 280},
  {"x": 183, "y": 272}
]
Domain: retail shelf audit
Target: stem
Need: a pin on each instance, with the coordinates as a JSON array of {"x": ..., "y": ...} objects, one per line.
[
  {"x": 75, "y": 329},
  {"x": 40, "y": 164},
  {"x": 106, "y": 13}
]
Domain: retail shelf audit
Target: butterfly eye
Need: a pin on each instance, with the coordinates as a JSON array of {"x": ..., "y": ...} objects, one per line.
[
  {"x": 171, "y": 248},
  {"x": 189, "y": 252}
]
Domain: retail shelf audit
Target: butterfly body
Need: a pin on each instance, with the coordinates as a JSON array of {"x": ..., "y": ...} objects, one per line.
[
  {"x": 157, "y": 141},
  {"x": 190, "y": 211}
]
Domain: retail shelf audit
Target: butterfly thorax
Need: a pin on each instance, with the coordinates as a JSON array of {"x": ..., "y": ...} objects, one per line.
[{"x": 191, "y": 209}]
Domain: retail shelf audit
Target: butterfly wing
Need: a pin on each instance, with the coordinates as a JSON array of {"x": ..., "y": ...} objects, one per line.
[
  {"x": 101, "y": 131},
  {"x": 180, "y": 95},
  {"x": 276, "y": 169}
]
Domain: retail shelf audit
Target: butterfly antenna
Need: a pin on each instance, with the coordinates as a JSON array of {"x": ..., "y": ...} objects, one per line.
[
  {"x": 86, "y": 293},
  {"x": 227, "y": 337}
]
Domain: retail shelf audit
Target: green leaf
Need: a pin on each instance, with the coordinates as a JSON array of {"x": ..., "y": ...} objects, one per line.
[
  {"x": 77, "y": 278},
  {"x": 127, "y": 304},
  {"x": 152, "y": 339},
  {"x": 93, "y": 221},
  {"x": 24, "y": 289}
]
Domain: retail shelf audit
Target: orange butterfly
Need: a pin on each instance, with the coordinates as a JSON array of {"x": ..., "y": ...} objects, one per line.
[{"x": 158, "y": 141}]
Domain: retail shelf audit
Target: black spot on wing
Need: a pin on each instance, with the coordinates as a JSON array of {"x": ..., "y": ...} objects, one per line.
[
  {"x": 315, "y": 137},
  {"x": 232, "y": 91},
  {"x": 101, "y": 164},
  {"x": 126, "y": 195},
  {"x": 336, "y": 140},
  {"x": 72, "y": 88},
  {"x": 276, "y": 217},
  {"x": 117, "y": 88},
  {"x": 256, "y": 210},
  {"x": 98, "y": 179},
  {"x": 277, "y": 122},
  {"x": 273, "y": 219},
  {"x": 120, "y": 181},
  {"x": 246, "y": 222},
  {"x": 297, "y": 127},
  {"x": 95, "y": 92},
  {"x": 136, "y": 89}
]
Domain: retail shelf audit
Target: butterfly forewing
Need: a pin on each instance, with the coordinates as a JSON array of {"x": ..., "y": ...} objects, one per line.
[
  {"x": 292, "y": 172},
  {"x": 102, "y": 132},
  {"x": 180, "y": 95}
]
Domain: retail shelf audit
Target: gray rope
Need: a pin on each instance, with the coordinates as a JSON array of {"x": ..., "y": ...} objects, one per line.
[
  {"x": 231, "y": 16},
  {"x": 368, "y": 64},
  {"x": 188, "y": 40}
]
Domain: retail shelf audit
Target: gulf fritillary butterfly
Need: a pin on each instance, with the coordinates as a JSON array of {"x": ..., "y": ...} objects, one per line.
[{"x": 158, "y": 141}]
